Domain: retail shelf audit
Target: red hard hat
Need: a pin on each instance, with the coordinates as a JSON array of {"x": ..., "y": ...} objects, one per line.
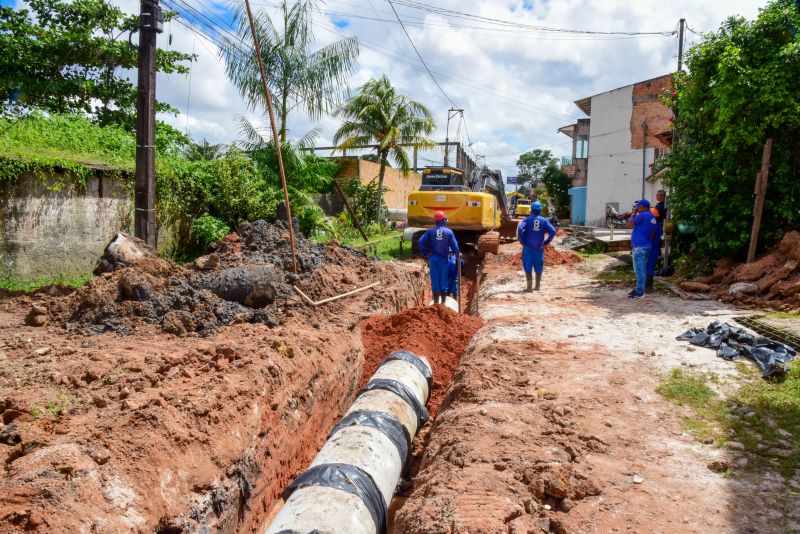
[{"x": 439, "y": 216}]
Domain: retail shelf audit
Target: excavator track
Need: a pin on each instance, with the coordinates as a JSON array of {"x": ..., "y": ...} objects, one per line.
[{"x": 489, "y": 243}]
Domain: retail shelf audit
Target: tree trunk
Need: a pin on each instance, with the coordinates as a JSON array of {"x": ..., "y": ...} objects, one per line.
[
  {"x": 379, "y": 209},
  {"x": 283, "y": 116}
]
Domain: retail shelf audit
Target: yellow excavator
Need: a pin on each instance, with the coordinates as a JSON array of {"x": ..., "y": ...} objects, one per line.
[{"x": 476, "y": 206}]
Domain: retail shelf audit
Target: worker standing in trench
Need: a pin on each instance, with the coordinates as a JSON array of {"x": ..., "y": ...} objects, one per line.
[
  {"x": 435, "y": 245},
  {"x": 531, "y": 233}
]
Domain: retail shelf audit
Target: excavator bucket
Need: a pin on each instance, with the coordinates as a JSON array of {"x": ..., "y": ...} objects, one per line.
[{"x": 489, "y": 243}]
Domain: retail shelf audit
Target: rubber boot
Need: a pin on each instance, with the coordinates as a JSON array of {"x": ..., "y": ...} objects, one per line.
[
  {"x": 529, "y": 280},
  {"x": 538, "y": 281},
  {"x": 648, "y": 285},
  {"x": 435, "y": 299}
]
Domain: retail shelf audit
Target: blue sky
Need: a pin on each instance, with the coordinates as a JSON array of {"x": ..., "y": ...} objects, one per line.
[{"x": 517, "y": 86}]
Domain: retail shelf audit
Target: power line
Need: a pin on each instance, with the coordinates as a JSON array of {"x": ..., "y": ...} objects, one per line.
[{"x": 420, "y": 55}]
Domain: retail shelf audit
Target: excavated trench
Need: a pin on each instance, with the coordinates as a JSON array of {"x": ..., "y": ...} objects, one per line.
[{"x": 434, "y": 332}]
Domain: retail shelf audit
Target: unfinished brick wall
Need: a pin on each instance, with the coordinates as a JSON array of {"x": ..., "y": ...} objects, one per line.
[{"x": 647, "y": 107}]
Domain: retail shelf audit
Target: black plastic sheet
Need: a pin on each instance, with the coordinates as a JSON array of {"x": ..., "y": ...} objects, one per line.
[
  {"x": 402, "y": 391},
  {"x": 347, "y": 478},
  {"x": 413, "y": 359},
  {"x": 732, "y": 342},
  {"x": 383, "y": 422}
]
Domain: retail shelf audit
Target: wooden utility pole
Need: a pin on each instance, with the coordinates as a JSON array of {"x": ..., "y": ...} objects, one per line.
[
  {"x": 644, "y": 154},
  {"x": 151, "y": 23},
  {"x": 760, "y": 192},
  {"x": 275, "y": 137},
  {"x": 350, "y": 210},
  {"x": 680, "y": 44}
]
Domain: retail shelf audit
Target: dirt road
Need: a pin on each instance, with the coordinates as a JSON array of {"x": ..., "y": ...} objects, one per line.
[{"x": 552, "y": 422}]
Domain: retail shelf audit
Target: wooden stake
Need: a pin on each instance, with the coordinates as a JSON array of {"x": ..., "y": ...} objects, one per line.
[
  {"x": 760, "y": 192},
  {"x": 331, "y": 299},
  {"x": 275, "y": 137},
  {"x": 350, "y": 210}
]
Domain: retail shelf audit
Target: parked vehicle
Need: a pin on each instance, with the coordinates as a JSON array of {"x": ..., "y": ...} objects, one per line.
[{"x": 618, "y": 220}]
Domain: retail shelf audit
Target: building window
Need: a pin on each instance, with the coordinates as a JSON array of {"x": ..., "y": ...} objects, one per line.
[{"x": 582, "y": 147}]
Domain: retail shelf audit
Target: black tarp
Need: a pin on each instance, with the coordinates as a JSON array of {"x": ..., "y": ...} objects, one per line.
[{"x": 731, "y": 342}]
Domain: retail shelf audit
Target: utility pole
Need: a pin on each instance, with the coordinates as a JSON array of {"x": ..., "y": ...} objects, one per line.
[
  {"x": 760, "y": 193},
  {"x": 151, "y": 23},
  {"x": 452, "y": 112},
  {"x": 680, "y": 44}
]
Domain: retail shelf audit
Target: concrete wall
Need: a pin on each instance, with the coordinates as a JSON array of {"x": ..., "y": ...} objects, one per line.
[
  {"x": 615, "y": 168},
  {"x": 52, "y": 234}
]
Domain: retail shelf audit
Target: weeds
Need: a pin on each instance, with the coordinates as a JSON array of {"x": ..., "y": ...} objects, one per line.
[
  {"x": 9, "y": 283},
  {"x": 762, "y": 415},
  {"x": 619, "y": 273}
]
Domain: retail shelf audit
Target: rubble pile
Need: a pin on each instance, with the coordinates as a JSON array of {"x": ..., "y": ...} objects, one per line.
[
  {"x": 247, "y": 279},
  {"x": 772, "y": 281}
]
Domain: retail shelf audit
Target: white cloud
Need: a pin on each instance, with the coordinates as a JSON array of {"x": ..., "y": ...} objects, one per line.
[{"x": 516, "y": 89}]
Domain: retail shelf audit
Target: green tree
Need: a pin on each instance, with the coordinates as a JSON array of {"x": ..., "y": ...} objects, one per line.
[
  {"x": 532, "y": 164},
  {"x": 381, "y": 115},
  {"x": 67, "y": 57},
  {"x": 203, "y": 150},
  {"x": 297, "y": 77},
  {"x": 742, "y": 88},
  {"x": 557, "y": 183}
]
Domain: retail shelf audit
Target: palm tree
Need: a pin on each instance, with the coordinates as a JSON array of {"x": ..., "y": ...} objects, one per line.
[
  {"x": 297, "y": 77},
  {"x": 379, "y": 114},
  {"x": 203, "y": 151}
]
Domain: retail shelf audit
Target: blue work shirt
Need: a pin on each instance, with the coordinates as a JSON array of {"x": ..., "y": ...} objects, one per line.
[
  {"x": 643, "y": 225},
  {"x": 439, "y": 240},
  {"x": 532, "y": 229}
]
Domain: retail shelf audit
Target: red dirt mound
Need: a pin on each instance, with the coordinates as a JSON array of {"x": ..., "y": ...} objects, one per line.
[
  {"x": 552, "y": 256},
  {"x": 435, "y": 332}
]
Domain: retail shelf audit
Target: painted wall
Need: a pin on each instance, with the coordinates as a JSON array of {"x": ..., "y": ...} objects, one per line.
[
  {"x": 615, "y": 169},
  {"x": 399, "y": 185},
  {"x": 52, "y": 234}
]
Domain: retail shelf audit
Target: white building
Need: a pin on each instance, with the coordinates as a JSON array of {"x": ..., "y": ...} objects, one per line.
[{"x": 629, "y": 128}]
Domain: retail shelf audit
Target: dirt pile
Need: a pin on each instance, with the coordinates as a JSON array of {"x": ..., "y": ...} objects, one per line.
[
  {"x": 152, "y": 432},
  {"x": 248, "y": 279},
  {"x": 436, "y": 332},
  {"x": 772, "y": 281},
  {"x": 552, "y": 256}
]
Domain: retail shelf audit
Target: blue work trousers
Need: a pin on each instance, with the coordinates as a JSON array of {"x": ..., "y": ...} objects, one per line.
[
  {"x": 532, "y": 259},
  {"x": 439, "y": 273},
  {"x": 655, "y": 251},
  {"x": 640, "y": 256}
]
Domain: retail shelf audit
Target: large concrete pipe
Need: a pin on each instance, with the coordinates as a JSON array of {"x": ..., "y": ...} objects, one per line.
[{"x": 350, "y": 483}]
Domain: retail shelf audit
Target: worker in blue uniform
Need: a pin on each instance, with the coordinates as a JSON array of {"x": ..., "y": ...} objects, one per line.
[
  {"x": 435, "y": 245},
  {"x": 644, "y": 227},
  {"x": 531, "y": 233}
]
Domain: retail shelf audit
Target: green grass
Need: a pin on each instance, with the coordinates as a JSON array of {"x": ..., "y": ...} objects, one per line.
[
  {"x": 754, "y": 415},
  {"x": 11, "y": 284},
  {"x": 782, "y": 315},
  {"x": 386, "y": 246},
  {"x": 619, "y": 273}
]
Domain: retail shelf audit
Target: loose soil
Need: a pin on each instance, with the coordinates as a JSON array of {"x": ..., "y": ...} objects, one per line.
[
  {"x": 552, "y": 422},
  {"x": 435, "y": 332},
  {"x": 114, "y": 421}
]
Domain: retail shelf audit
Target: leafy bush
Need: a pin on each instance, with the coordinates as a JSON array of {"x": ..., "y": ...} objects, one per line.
[
  {"x": 208, "y": 229},
  {"x": 362, "y": 200},
  {"x": 741, "y": 89}
]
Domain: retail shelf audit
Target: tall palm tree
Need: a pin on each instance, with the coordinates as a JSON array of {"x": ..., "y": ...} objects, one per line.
[
  {"x": 203, "y": 151},
  {"x": 297, "y": 77},
  {"x": 379, "y": 114}
]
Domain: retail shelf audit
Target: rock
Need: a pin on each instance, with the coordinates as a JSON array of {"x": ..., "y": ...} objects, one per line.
[
  {"x": 776, "y": 276},
  {"x": 784, "y": 433},
  {"x": 209, "y": 262},
  {"x": 133, "y": 285},
  {"x": 559, "y": 526},
  {"x": 741, "y": 463},
  {"x": 100, "y": 455},
  {"x": 718, "y": 466},
  {"x": 743, "y": 287},
  {"x": 37, "y": 316},
  {"x": 566, "y": 505},
  {"x": 122, "y": 251},
  {"x": 42, "y": 351},
  {"x": 100, "y": 402},
  {"x": 735, "y": 445},
  {"x": 698, "y": 287},
  {"x": 638, "y": 479},
  {"x": 544, "y": 523},
  {"x": 708, "y": 441}
]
